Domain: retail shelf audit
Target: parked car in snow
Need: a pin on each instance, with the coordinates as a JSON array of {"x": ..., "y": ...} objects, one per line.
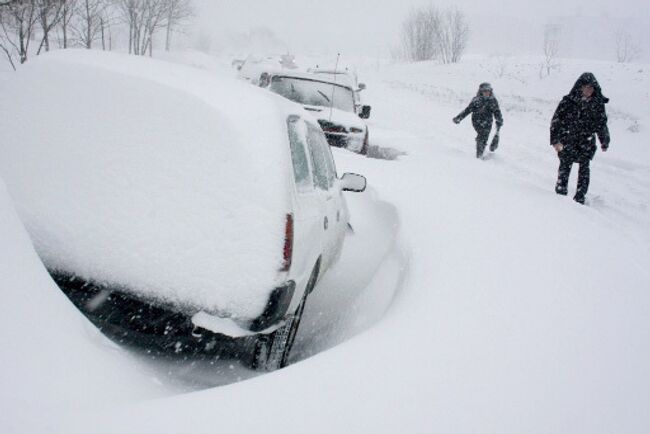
[
  {"x": 251, "y": 68},
  {"x": 161, "y": 212},
  {"x": 333, "y": 99},
  {"x": 342, "y": 75}
]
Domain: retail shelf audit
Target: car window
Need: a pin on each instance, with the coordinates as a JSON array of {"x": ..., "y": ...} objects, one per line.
[
  {"x": 331, "y": 167},
  {"x": 313, "y": 92},
  {"x": 297, "y": 135},
  {"x": 324, "y": 171}
]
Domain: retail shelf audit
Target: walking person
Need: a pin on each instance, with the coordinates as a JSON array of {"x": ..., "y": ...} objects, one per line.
[
  {"x": 484, "y": 107},
  {"x": 579, "y": 117}
]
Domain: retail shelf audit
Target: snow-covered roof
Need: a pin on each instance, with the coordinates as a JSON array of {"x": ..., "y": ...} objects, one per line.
[
  {"x": 339, "y": 79},
  {"x": 166, "y": 179}
]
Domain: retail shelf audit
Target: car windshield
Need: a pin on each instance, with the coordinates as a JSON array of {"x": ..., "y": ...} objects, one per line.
[{"x": 312, "y": 92}]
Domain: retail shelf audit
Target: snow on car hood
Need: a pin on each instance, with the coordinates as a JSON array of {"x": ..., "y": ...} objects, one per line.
[
  {"x": 158, "y": 178},
  {"x": 338, "y": 117}
]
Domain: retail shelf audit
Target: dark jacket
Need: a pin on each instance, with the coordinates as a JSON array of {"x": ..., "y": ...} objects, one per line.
[
  {"x": 483, "y": 109},
  {"x": 576, "y": 120}
]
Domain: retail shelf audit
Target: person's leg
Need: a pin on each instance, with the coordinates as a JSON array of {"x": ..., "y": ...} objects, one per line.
[
  {"x": 561, "y": 187},
  {"x": 583, "y": 180},
  {"x": 481, "y": 141}
]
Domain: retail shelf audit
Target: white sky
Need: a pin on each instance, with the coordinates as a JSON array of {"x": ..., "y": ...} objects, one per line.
[{"x": 372, "y": 26}]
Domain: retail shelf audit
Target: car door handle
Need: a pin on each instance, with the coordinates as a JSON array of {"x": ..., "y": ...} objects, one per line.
[{"x": 325, "y": 223}]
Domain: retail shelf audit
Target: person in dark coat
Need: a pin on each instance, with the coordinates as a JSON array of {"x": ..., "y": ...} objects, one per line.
[
  {"x": 579, "y": 117},
  {"x": 483, "y": 107}
]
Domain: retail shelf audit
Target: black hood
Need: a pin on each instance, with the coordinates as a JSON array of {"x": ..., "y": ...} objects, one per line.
[
  {"x": 585, "y": 79},
  {"x": 485, "y": 86}
]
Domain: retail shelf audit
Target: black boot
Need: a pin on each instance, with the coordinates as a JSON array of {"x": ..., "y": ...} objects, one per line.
[
  {"x": 583, "y": 180},
  {"x": 480, "y": 148},
  {"x": 563, "y": 176}
]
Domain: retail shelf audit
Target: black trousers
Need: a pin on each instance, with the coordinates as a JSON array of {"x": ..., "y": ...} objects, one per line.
[
  {"x": 481, "y": 140},
  {"x": 566, "y": 162}
]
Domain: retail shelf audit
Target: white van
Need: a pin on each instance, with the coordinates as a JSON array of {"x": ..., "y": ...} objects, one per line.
[{"x": 176, "y": 210}]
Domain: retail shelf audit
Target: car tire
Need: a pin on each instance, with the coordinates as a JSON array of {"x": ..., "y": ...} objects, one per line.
[{"x": 271, "y": 351}]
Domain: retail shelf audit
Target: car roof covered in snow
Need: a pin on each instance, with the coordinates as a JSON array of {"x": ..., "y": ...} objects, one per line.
[
  {"x": 338, "y": 79},
  {"x": 339, "y": 75},
  {"x": 156, "y": 177}
]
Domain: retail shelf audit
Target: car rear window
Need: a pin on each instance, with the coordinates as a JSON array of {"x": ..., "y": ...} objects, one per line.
[
  {"x": 324, "y": 171},
  {"x": 301, "y": 172}
]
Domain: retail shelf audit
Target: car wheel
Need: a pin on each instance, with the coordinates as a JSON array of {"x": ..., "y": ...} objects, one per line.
[{"x": 272, "y": 351}]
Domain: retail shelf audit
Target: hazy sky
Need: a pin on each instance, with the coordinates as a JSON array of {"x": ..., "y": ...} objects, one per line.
[{"x": 372, "y": 26}]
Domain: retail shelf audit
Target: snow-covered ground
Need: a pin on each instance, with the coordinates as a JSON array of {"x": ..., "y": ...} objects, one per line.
[{"x": 470, "y": 299}]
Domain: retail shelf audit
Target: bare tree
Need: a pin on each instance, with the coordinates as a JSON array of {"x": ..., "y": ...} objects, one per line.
[
  {"x": 178, "y": 12},
  {"x": 156, "y": 12},
  {"x": 143, "y": 18},
  {"x": 419, "y": 32},
  {"x": 127, "y": 11},
  {"x": 627, "y": 50},
  {"x": 89, "y": 21},
  {"x": 452, "y": 36},
  {"x": 552, "y": 33},
  {"x": 49, "y": 15},
  {"x": 68, "y": 9},
  {"x": 428, "y": 33},
  {"x": 17, "y": 23},
  {"x": 5, "y": 44}
]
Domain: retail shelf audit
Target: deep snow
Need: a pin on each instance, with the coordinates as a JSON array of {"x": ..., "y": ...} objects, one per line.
[
  {"x": 517, "y": 310},
  {"x": 54, "y": 362}
]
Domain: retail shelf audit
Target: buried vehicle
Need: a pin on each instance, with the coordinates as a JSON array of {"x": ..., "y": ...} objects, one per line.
[
  {"x": 333, "y": 99},
  {"x": 169, "y": 212}
]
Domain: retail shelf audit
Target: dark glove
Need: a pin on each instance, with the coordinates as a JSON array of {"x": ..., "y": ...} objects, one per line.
[
  {"x": 604, "y": 147},
  {"x": 456, "y": 120}
]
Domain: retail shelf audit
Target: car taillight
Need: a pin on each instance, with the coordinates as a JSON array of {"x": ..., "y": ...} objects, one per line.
[{"x": 288, "y": 243}]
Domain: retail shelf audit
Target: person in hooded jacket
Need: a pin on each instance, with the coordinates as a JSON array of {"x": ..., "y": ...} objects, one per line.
[
  {"x": 484, "y": 107},
  {"x": 579, "y": 118}
]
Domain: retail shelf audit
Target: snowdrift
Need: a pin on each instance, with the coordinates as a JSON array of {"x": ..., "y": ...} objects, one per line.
[
  {"x": 161, "y": 178},
  {"x": 54, "y": 363}
]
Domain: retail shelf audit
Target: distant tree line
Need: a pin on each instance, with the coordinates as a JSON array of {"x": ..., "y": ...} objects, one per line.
[
  {"x": 30, "y": 27},
  {"x": 627, "y": 49},
  {"x": 429, "y": 33}
]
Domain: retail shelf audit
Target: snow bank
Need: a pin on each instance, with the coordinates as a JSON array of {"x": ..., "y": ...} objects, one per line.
[
  {"x": 164, "y": 179},
  {"x": 200, "y": 60},
  {"x": 55, "y": 365}
]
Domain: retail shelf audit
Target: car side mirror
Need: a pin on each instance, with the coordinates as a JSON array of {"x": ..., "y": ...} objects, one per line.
[
  {"x": 362, "y": 86},
  {"x": 265, "y": 80},
  {"x": 365, "y": 112},
  {"x": 353, "y": 182}
]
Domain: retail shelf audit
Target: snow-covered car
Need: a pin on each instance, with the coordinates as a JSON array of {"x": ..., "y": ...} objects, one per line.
[
  {"x": 345, "y": 75},
  {"x": 176, "y": 210},
  {"x": 332, "y": 99}
]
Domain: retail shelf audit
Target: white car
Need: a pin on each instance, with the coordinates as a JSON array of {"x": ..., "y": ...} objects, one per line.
[
  {"x": 332, "y": 99},
  {"x": 176, "y": 210}
]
